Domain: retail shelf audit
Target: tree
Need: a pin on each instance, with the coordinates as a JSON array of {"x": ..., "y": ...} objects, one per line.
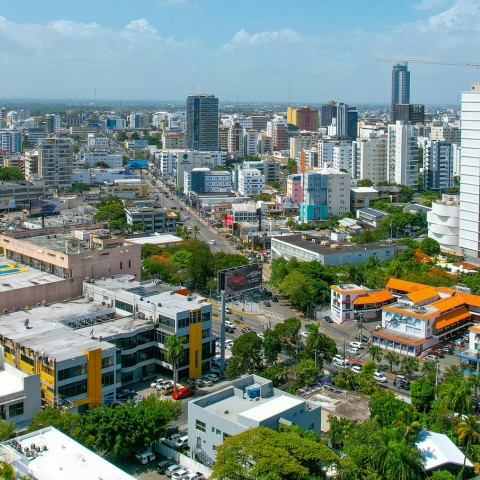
[
  {"x": 101, "y": 164},
  {"x": 430, "y": 247},
  {"x": 386, "y": 406},
  {"x": 291, "y": 165},
  {"x": 306, "y": 372},
  {"x": 7, "y": 472},
  {"x": 468, "y": 430},
  {"x": 393, "y": 359},
  {"x": 260, "y": 451},
  {"x": 247, "y": 355},
  {"x": 344, "y": 170},
  {"x": 76, "y": 149},
  {"x": 175, "y": 353},
  {"x": 410, "y": 365},
  {"x": 319, "y": 345},
  {"x": 366, "y": 182},
  {"x": 25, "y": 145},
  {"x": 442, "y": 475},
  {"x": 130, "y": 427},
  {"x": 9, "y": 174},
  {"x": 375, "y": 352},
  {"x": 429, "y": 369},
  {"x": 422, "y": 393},
  {"x": 200, "y": 266},
  {"x": 181, "y": 258},
  {"x": 289, "y": 334},
  {"x": 272, "y": 346},
  {"x": 408, "y": 422},
  {"x": 195, "y": 230},
  {"x": 69, "y": 423},
  {"x": 7, "y": 431},
  {"x": 298, "y": 287},
  {"x": 135, "y": 136},
  {"x": 121, "y": 136},
  {"x": 222, "y": 260},
  {"x": 456, "y": 396},
  {"x": 110, "y": 213}
]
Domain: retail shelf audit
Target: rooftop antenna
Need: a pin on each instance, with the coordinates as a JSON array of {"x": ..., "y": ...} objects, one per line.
[
  {"x": 69, "y": 98},
  {"x": 289, "y": 94}
]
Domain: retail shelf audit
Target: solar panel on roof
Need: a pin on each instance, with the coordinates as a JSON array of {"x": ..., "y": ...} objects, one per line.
[{"x": 142, "y": 291}]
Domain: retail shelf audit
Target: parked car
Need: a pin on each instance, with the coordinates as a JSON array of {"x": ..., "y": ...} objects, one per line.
[
  {"x": 438, "y": 353},
  {"x": 229, "y": 344},
  {"x": 183, "y": 391},
  {"x": 212, "y": 377},
  {"x": 135, "y": 398},
  {"x": 180, "y": 474},
  {"x": 167, "y": 389},
  {"x": 173, "y": 468},
  {"x": 194, "y": 476},
  {"x": 339, "y": 365},
  {"x": 305, "y": 334},
  {"x": 207, "y": 381},
  {"x": 212, "y": 242},
  {"x": 261, "y": 335},
  {"x": 379, "y": 377},
  {"x": 353, "y": 351},
  {"x": 156, "y": 382},
  {"x": 328, "y": 319},
  {"x": 164, "y": 383},
  {"x": 145, "y": 457},
  {"x": 162, "y": 466},
  {"x": 199, "y": 382},
  {"x": 356, "y": 368},
  {"x": 435, "y": 358},
  {"x": 148, "y": 377},
  {"x": 358, "y": 345},
  {"x": 341, "y": 359},
  {"x": 181, "y": 442},
  {"x": 124, "y": 393},
  {"x": 246, "y": 329}
]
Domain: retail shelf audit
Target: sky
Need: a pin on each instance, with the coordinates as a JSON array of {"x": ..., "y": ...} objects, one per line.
[{"x": 161, "y": 50}]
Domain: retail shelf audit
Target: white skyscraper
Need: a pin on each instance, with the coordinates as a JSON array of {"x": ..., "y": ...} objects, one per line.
[
  {"x": 52, "y": 124},
  {"x": 370, "y": 159},
  {"x": 402, "y": 154},
  {"x": 469, "y": 237}
]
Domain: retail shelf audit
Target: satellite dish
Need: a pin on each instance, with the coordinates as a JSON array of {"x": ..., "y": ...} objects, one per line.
[{"x": 26, "y": 322}]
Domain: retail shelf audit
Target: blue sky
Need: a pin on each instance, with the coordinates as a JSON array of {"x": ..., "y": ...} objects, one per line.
[{"x": 157, "y": 49}]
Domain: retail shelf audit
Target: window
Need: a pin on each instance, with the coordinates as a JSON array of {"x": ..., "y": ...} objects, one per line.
[
  {"x": 225, "y": 435},
  {"x": 124, "y": 306},
  {"x": 108, "y": 379},
  {"x": 206, "y": 333},
  {"x": 205, "y": 317},
  {"x": 73, "y": 389},
  {"x": 107, "y": 362},
  {"x": 121, "y": 265},
  {"x": 129, "y": 263},
  {"x": 72, "y": 372},
  {"x": 201, "y": 427},
  {"x": 15, "y": 409},
  {"x": 26, "y": 359},
  {"x": 219, "y": 432},
  {"x": 311, "y": 426}
]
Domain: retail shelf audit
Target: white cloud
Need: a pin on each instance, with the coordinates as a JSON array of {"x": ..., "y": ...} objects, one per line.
[{"x": 430, "y": 4}]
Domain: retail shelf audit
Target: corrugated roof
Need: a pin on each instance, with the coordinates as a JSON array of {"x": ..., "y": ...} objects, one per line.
[
  {"x": 450, "y": 318},
  {"x": 469, "y": 299},
  {"x": 448, "y": 303},
  {"x": 404, "y": 286},
  {"x": 422, "y": 295},
  {"x": 374, "y": 297}
]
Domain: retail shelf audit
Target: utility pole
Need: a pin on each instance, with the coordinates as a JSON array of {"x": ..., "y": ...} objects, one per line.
[{"x": 222, "y": 333}]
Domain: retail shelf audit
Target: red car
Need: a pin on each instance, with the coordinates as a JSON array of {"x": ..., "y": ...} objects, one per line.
[
  {"x": 235, "y": 280},
  {"x": 182, "y": 392}
]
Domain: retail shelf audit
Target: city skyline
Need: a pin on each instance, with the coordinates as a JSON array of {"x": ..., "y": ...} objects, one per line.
[{"x": 270, "y": 54}]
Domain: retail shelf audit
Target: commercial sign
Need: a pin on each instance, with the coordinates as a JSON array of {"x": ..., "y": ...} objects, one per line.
[
  {"x": 10, "y": 203},
  {"x": 239, "y": 279},
  {"x": 44, "y": 208},
  {"x": 138, "y": 164}
]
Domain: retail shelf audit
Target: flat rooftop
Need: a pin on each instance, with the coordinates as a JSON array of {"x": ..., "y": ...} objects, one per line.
[
  {"x": 13, "y": 277},
  {"x": 9, "y": 383},
  {"x": 63, "y": 459},
  {"x": 59, "y": 242},
  {"x": 159, "y": 239},
  {"x": 46, "y": 333},
  {"x": 349, "y": 405},
  {"x": 297, "y": 241}
]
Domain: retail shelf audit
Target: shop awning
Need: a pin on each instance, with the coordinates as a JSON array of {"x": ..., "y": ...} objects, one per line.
[{"x": 449, "y": 318}]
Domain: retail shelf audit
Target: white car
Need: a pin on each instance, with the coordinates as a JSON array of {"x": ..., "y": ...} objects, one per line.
[
  {"x": 207, "y": 381},
  {"x": 227, "y": 323},
  {"x": 353, "y": 351},
  {"x": 212, "y": 242},
  {"x": 181, "y": 441},
  {"x": 356, "y": 345},
  {"x": 228, "y": 310},
  {"x": 145, "y": 457},
  {"x": 432, "y": 357},
  {"x": 180, "y": 474},
  {"x": 189, "y": 227},
  {"x": 339, "y": 365},
  {"x": 305, "y": 334},
  {"x": 380, "y": 377},
  {"x": 158, "y": 381},
  {"x": 211, "y": 376},
  {"x": 341, "y": 359},
  {"x": 260, "y": 335},
  {"x": 229, "y": 344},
  {"x": 356, "y": 369}
]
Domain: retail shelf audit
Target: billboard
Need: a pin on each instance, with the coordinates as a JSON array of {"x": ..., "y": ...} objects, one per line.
[
  {"x": 10, "y": 203},
  {"x": 238, "y": 279},
  {"x": 143, "y": 164},
  {"x": 44, "y": 208}
]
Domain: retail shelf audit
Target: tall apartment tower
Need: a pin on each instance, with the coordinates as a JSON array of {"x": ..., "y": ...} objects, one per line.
[
  {"x": 52, "y": 124},
  {"x": 55, "y": 162},
  {"x": 346, "y": 119},
  {"x": 202, "y": 122},
  {"x": 304, "y": 118},
  {"x": 400, "y": 85},
  {"x": 469, "y": 236}
]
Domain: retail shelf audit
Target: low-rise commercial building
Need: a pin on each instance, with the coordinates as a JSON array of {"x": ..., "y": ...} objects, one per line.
[
  {"x": 57, "y": 456},
  {"x": 114, "y": 160},
  {"x": 250, "y": 402},
  {"x": 248, "y": 182},
  {"x": 329, "y": 252},
  {"x": 155, "y": 219},
  {"x": 173, "y": 141},
  {"x": 21, "y": 192},
  {"x": 372, "y": 216},
  {"x": 204, "y": 180},
  {"x": 127, "y": 188}
]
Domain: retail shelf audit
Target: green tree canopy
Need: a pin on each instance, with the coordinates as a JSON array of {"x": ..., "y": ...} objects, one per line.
[
  {"x": 422, "y": 393},
  {"x": 247, "y": 355},
  {"x": 298, "y": 287},
  {"x": 261, "y": 452},
  {"x": 101, "y": 164},
  {"x": 8, "y": 174},
  {"x": 430, "y": 247}
]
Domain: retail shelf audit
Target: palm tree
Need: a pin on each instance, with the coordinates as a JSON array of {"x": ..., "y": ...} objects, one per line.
[
  {"x": 468, "y": 430},
  {"x": 457, "y": 397},
  {"x": 452, "y": 372},
  {"x": 475, "y": 381},
  {"x": 175, "y": 353},
  {"x": 408, "y": 420},
  {"x": 196, "y": 230},
  {"x": 315, "y": 340},
  {"x": 410, "y": 365},
  {"x": 375, "y": 352},
  {"x": 429, "y": 369},
  {"x": 393, "y": 359}
]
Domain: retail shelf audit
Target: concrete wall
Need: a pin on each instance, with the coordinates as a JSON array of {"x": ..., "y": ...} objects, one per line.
[{"x": 182, "y": 460}]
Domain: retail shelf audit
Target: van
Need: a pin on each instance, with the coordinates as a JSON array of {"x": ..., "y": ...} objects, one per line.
[
  {"x": 353, "y": 351},
  {"x": 167, "y": 389}
]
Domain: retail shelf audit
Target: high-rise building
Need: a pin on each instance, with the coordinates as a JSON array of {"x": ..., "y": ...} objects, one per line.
[
  {"x": 281, "y": 139},
  {"x": 139, "y": 120},
  {"x": 304, "y": 118},
  {"x": 370, "y": 159},
  {"x": 400, "y": 85},
  {"x": 438, "y": 162},
  {"x": 259, "y": 122},
  {"x": 223, "y": 139},
  {"x": 445, "y": 132},
  {"x": 265, "y": 145},
  {"x": 344, "y": 118},
  {"x": 250, "y": 139},
  {"x": 235, "y": 139},
  {"x": 202, "y": 122},
  {"x": 52, "y": 124},
  {"x": 303, "y": 141},
  {"x": 342, "y": 158},
  {"x": 469, "y": 236},
  {"x": 55, "y": 162},
  {"x": 402, "y": 154},
  {"x": 11, "y": 140},
  {"x": 409, "y": 113}
]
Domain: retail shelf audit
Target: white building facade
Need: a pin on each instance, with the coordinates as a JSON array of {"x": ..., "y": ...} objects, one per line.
[
  {"x": 369, "y": 159},
  {"x": 443, "y": 222}
]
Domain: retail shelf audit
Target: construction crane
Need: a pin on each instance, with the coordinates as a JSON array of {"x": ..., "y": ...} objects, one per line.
[{"x": 429, "y": 62}]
